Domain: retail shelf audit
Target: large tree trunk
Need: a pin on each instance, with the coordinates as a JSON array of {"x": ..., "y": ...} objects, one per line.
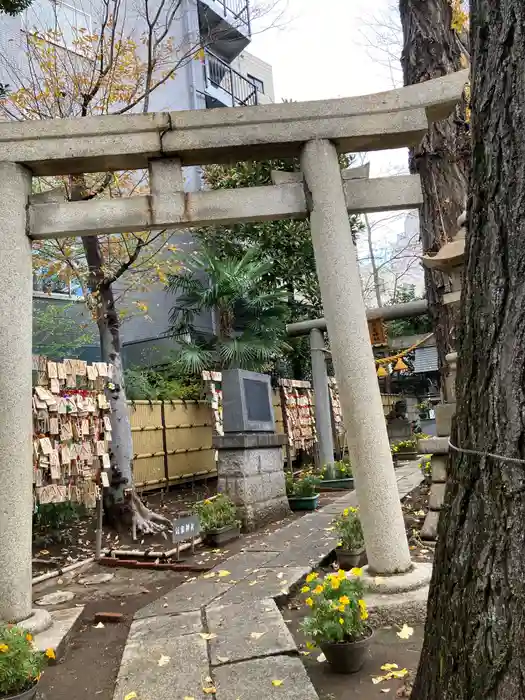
[
  {"x": 433, "y": 49},
  {"x": 474, "y": 644},
  {"x": 121, "y": 504}
]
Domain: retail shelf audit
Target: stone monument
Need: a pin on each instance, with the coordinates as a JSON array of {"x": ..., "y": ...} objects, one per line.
[{"x": 250, "y": 453}]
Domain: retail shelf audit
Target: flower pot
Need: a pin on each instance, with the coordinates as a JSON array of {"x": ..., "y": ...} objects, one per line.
[
  {"x": 346, "y": 657},
  {"x": 223, "y": 535},
  {"x": 303, "y": 502},
  {"x": 348, "y": 558},
  {"x": 26, "y": 695},
  {"x": 333, "y": 484}
]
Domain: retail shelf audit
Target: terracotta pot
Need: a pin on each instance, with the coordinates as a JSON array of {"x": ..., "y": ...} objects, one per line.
[
  {"x": 348, "y": 559},
  {"x": 346, "y": 657},
  {"x": 26, "y": 695},
  {"x": 223, "y": 535}
]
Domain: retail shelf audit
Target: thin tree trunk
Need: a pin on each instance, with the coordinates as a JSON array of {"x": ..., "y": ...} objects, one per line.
[
  {"x": 474, "y": 647},
  {"x": 433, "y": 49},
  {"x": 375, "y": 273}
]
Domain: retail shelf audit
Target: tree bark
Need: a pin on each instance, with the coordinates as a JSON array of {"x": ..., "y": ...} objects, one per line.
[
  {"x": 433, "y": 49},
  {"x": 474, "y": 645}
]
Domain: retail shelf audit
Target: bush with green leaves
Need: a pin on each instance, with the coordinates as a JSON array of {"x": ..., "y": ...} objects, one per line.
[
  {"x": 339, "y": 470},
  {"x": 51, "y": 522},
  {"x": 216, "y": 513},
  {"x": 348, "y": 527},
  {"x": 304, "y": 485},
  {"x": 338, "y": 612},
  {"x": 21, "y": 663}
]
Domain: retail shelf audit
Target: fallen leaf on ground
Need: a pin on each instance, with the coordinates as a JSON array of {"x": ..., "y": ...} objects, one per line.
[
  {"x": 209, "y": 689},
  {"x": 423, "y": 551},
  {"x": 216, "y": 551},
  {"x": 305, "y": 653},
  {"x": 210, "y": 575},
  {"x": 164, "y": 660},
  {"x": 277, "y": 683},
  {"x": 321, "y": 658},
  {"x": 420, "y": 513},
  {"x": 189, "y": 697},
  {"x": 99, "y": 626},
  {"x": 405, "y": 632},
  {"x": 389, "y": 667},
  {"x": 252, "y": 583},
  {"x": 385, "y": 690},
  {"x": 211, "y": 635},
  {"x": 280, "y": 575},
  {"x": 399, "y": 674},
  {"x": 223, "y": 573},
  {"x": 222, "y": 659},
  {"x": 378, "y": 679},
  {"x": 130, "y": 696},
  {"x": 257, "y": 635}
]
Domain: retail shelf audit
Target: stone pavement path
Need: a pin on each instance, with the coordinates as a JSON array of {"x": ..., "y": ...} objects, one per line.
[{"x": 222, "y": 635}]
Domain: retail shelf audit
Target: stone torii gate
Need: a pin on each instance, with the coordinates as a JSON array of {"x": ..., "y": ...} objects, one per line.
[{"x": 314, "y": 131}]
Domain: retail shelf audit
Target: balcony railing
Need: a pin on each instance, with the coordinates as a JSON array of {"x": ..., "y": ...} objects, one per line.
[
  {"x": 239, "y": 91},
  {"x": 240, "y": 9}
]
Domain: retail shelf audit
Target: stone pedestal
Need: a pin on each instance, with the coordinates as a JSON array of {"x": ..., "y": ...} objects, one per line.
[{"x": 250, "y": 471}]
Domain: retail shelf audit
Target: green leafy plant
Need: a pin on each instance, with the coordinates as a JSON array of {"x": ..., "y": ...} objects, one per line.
[
  {"x": 251, "y": 322},
  {"x": 303, "y": 486},
  {"x": 162, "y": 385},
  {"x": 51, "y": 522},
  {"x": 341, "y": 470},
  {"x": 403, "y": 446},
  {"x": 21, "y": 664},
  {"x": 426, "y": 466},
  {"x": 216, "y": 513},
  {"x": 348, "y": 527},
  {"x": 338, "y": 611}
]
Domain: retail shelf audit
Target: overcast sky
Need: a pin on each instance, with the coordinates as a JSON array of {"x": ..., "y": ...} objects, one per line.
[{"x": 321, "y": 52}]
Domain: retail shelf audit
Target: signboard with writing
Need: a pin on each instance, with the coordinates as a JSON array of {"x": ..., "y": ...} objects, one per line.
[
  {"x": 185, "y": 528},
  {"x": 377, "y": 331}
]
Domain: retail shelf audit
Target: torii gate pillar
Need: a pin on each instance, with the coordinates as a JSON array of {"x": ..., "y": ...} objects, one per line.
[{"x": 345, "y": 313}]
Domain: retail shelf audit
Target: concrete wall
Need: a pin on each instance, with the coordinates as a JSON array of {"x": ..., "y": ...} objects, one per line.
[{"x": 252, "y": 66}]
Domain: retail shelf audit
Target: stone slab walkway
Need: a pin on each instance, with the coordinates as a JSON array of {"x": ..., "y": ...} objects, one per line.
[{"x": 222, "y": 635}]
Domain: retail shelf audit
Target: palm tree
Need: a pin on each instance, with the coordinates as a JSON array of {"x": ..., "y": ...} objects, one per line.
[{"x": 250, "y": 322}]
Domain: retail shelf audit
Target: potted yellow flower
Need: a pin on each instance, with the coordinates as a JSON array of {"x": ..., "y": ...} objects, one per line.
[
  {"x": 219, "y": 520},
  {"x": 21, "y": 664},
  {"x": 351, "y": 541},
  {"x": 337, "y": 622}
]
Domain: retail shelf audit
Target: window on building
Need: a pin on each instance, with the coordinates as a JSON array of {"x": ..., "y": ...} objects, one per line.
[
  {"x": 66, "y": 21},
  {"x": 259, "y": 84}
]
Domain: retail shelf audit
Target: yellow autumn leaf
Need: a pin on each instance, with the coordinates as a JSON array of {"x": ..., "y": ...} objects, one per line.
[
  {"x": 399, "y": 674},
  {"x": 223, "y": 573},
  {"x": 405, "y": 632},
  {"x": 130, "y": 696},
  {"x": 207, "y": 637},
  {"x": 209, "y": 690},
  {"x": 389, "y": 667},
  {"x": 210, "y": 575},
  {"x": 277, "y": 683},
  {"x": 378, "y": 679}
]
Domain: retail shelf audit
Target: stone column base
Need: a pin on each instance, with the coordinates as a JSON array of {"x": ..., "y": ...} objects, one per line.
[{"x": 250, "y": 470}]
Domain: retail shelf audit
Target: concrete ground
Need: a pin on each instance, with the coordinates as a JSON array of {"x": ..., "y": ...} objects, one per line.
[{"x": 227, "y": 623}]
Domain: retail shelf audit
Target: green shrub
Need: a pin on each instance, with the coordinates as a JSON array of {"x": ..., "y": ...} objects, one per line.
[
  {"x": 348, "y": 527},
  {"x": 21, "y": 664},
  {"x": 340, "y": 470},
  {"x": 303, "y": 486},
  {"x": 338, "y": 611},
  {"x": 215, "y": 513}
]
